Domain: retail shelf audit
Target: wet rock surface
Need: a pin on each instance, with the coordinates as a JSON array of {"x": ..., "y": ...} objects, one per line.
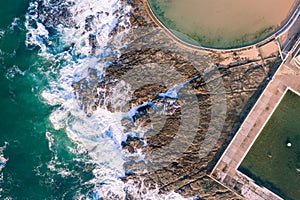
[
  {"x": 55, "y": 13},
  {"x": 151, "y": 64}
]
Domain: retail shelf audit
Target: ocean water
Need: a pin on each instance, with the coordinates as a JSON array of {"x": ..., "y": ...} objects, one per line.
[{"x": 49, "y": 147}]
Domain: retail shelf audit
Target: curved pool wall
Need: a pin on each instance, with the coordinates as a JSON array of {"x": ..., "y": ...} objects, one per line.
[{"x": 188, "y": 41}]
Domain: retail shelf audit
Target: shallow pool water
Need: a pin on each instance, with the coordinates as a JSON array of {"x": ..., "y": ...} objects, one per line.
[
  {"x": 222, "y": 23},
  {"x": 274, "y": 159}
]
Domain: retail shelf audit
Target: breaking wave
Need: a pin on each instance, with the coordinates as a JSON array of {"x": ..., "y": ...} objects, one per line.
[
  {"x": 3, "y": 161},
  {"x": 74, "y": 37}
]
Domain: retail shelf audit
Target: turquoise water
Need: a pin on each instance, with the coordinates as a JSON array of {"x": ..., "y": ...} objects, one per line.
[
  {"x": 50, "y": 148},
  {"x": 25, "y": 121}
]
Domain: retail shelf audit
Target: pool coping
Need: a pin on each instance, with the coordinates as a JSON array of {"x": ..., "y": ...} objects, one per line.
[{"x": 265, "y": 123}]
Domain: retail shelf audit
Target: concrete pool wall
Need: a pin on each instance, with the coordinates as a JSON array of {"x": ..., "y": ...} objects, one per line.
[
  {"x": 225, "y": 170},
  {"x": 268, "y": 160},
  {"x": 190, "y": 42}
]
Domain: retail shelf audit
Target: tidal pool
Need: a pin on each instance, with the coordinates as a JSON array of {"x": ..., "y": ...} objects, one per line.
[
  {"x": 274, "y": 159},
  {"x": 222, "y": 23}
]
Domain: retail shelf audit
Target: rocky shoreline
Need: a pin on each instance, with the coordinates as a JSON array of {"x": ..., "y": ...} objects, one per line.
[{"x": 234, "y": 79}]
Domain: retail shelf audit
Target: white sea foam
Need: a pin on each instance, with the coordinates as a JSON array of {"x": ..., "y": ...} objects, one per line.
[
  {"x": 101, "y": 133},
  {"x": 37, "y": 35},
  {"x": 102, "y": 125},
  {"x": 3, "y": 160},
  {"x": 15, "y": 23},
  {"x": 13, "y": 71},
  {"x": 115, "y": 188},
  {"x": 2, "y": 33}
]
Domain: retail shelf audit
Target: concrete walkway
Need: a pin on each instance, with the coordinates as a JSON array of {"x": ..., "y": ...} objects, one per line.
[{"x": 226, "y": 169}]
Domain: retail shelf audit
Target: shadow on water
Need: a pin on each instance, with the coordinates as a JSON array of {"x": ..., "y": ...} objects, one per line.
[{"x": 263, "y": 183}]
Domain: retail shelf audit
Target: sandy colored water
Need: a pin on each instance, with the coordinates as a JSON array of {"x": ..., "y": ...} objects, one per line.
[{"x": 226, "y": 19}]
